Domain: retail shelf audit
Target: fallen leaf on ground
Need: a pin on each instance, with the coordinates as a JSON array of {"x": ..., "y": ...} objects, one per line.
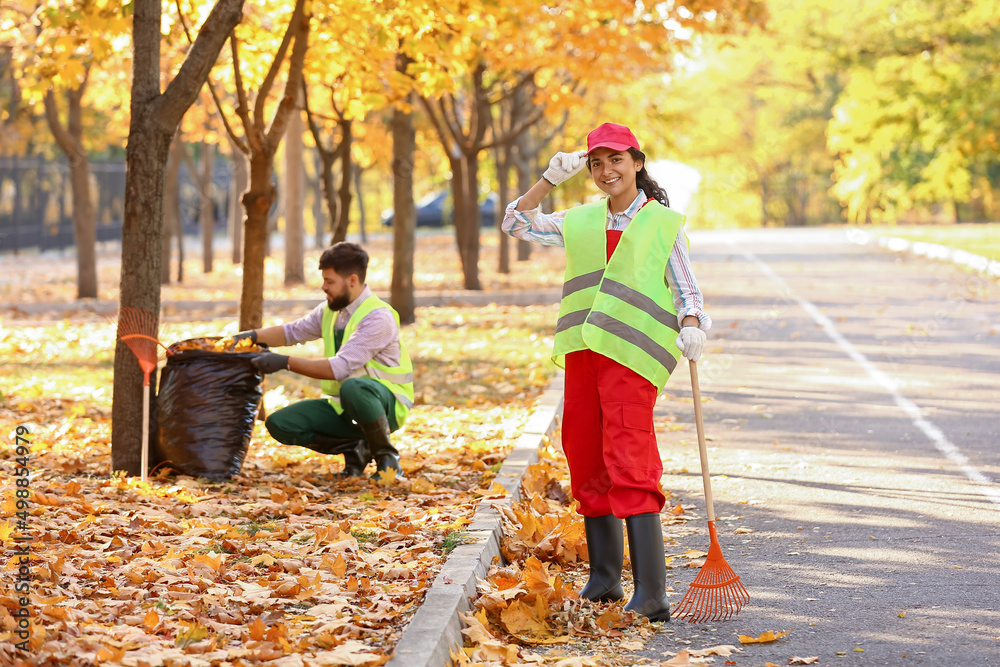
[
  {"x": 768, "y": 636},
  {"x": 796, "y": 660},
  {"x": 725, "y": 650}
]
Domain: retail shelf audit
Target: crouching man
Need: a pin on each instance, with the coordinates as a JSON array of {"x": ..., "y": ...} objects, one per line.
[{"x": 366, "y": 374}]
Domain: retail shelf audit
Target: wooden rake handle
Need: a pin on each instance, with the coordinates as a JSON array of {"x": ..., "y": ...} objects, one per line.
[{"x": 702, "y": 447}]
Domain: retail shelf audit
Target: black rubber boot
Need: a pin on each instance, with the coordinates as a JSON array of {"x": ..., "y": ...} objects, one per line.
[
  {"x": 386, "y": 456},
  {"x": 355, "y": 453},
  {"x": 649, "y": 567},
  {"x": 606, "y": 548},
  {"x": 355, "y": 460}
]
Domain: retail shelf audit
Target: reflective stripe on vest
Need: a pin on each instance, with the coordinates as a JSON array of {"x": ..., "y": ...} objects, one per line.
[
  {"x": 397, "y": 379},
  {"x": 620, "y": 308}
]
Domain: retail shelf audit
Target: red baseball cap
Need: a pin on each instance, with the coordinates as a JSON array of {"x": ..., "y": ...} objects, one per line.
[{"x": 610, "y": 135}]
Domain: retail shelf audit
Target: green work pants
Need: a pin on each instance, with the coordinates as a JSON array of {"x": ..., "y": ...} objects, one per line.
[{"x": 364, "y": 400}]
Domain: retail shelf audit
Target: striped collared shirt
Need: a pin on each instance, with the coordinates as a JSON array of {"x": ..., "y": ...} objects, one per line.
[
  {"x": 376, "y": 337},
  {"x": 546, "y": 228}
]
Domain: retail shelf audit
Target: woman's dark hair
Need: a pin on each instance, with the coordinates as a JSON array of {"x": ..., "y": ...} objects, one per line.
[
  {"x": 643, "y": 180},
  {"x": 345, "y": 258}
]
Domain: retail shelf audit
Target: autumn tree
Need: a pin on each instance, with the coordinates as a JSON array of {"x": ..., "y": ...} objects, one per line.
[
  {"x": 155, "y": 115},
  {"x": 256, "y": 122},
  {"x": 916, "y": 127},
  {"x": 295, "y": 208},
  {"x": 404, "y": 142},
  {"x": 560, "y": 50},
  {"x": 68, "y": 53},
  {"x": 262, "y": 130}
]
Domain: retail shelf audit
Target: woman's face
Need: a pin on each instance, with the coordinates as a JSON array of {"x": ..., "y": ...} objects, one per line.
[{"x": 614, "y": 171}]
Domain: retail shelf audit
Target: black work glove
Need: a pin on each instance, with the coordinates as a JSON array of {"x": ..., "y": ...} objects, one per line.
[
  {"x": 251, "y": 334},
  {"x": 269, "y": 362}
]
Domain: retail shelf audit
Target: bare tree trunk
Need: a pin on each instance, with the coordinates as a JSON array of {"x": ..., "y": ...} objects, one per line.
[
  {"x": 171, "y": 210},
  {"x": 361, "y": 202},
  {"x": 327, "y": 157},
  {"x": 257, "y": 202},
  {"x": 70, "y": 140},
  {"x": 295, "y": 201},
  {"x": 466, "y": 217},
  {"x": 344, "y": 195},
  {"x": 153, "y": 120},
  {"x": 237, "y": 186},
  {"x": 263, "y": 140},
  {"x": 206, "y": 206},
  {"x": 503, "y": 192},
  {"x": 330, "y": 192},
  {"x": 522, "y": 162},
  {"x": 404, "y": 146},
  {"x": 317, "y": 191},
  {"x": 179, "y": 235}
]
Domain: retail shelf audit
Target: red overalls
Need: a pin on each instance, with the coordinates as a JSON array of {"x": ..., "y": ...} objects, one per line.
[{"x": 608, "y": 433}]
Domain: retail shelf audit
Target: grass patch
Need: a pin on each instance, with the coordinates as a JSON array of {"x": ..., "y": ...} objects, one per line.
[
  {"x": 452, "y": 540},
  {"x": 978, "y": 238}
]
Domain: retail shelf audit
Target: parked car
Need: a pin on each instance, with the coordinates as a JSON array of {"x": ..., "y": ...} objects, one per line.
[{"x": 435, "y": 210}]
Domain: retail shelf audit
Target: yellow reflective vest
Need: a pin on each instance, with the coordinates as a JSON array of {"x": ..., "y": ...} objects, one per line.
[
  {"x": 398, "y": 379},
  {"x": 620, "y": 308}
]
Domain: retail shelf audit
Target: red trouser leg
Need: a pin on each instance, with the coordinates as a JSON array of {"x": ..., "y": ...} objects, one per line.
[
  {"x": 608, "y": 437},
  {"x": 582, "y": 435},
  {"x": 630, "y": 453}
]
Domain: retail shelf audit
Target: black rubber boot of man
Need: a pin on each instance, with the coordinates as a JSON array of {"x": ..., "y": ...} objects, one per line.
[
  {"x": 649, "y": 567},
  {"x": 386, "y": 456},
  {"x": 606, "y": 550},
  {"x": 355, "y": 453}
]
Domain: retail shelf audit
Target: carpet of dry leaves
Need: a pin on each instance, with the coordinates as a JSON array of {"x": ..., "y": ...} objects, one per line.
[
  {"x": 529, "y": 611},
  {"x": 285, "y": 564}
]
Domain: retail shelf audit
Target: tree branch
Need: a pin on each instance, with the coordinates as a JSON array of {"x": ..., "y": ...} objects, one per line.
[
  {"x": 146, "y": 60},
  {"x": 279, "y": 59},
  {"x": 515, "y": 131},
  {"x": 454, "y": 123},
  {"x": 237, "y": 141},
  {"x": 62, "y": 136},
  {"x": 182, "y": 91},
  {"x": 242, "y": 105},
  {"x": 437, "y": 123},
  {"x": 314, "y": 127},
  {"x": 296, "y": 64},
  {"x": 74, "y": 118}
]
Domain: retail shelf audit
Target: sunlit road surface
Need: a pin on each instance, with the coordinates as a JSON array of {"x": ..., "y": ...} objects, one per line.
[{"x": 853, "y": 423}]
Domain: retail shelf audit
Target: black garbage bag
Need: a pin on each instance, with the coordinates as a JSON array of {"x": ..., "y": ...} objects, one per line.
[{"x": 207, "y": 405}]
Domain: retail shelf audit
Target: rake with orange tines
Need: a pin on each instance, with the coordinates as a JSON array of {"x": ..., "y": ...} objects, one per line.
[
  {"x": 138, "y": 329},
  {"x": 716, "y": 593}
]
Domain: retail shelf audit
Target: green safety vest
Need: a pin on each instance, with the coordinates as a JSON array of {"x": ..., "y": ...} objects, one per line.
[
  {"x": 620, "y": 308},
  {"x": 398, "y": 379}
]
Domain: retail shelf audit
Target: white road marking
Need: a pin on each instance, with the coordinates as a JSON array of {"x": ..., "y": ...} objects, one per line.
[{"x": 934, "y": 434}]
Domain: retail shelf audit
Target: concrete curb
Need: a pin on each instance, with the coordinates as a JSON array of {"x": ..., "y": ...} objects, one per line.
[
  {"x": 436, "y": 627},
  {"x": 532, "y": 297},
  {"x": 930, "y": 250}
]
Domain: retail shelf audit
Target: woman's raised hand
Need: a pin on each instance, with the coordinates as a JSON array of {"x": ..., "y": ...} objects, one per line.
[{"x": 564, "y": 166}]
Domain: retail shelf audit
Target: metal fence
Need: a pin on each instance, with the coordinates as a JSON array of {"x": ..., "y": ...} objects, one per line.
[{"x": 36, "y": 202}]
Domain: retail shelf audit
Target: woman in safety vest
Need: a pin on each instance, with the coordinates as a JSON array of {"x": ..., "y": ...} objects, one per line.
[{"x": 630, "y": 308}]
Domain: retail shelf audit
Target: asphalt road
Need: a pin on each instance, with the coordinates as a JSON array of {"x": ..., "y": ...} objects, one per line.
[{"x": 853, "y": 422}]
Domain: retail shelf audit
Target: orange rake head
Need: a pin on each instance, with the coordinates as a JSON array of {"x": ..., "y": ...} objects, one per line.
[
  {"x": 716, "y": 593},
  {"x": 138, "y": 329}
]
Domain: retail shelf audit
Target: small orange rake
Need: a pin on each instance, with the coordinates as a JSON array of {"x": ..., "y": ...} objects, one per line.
[
  {"x": 138, "y": 329},
  {"x": 716, "y": 593}
]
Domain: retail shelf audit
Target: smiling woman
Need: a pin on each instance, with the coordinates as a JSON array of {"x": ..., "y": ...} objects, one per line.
[{"x": 630, "y": 307}]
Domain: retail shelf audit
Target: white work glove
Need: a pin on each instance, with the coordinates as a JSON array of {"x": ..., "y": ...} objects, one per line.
[
  {"x": 564, "y": 166},
  {"x": 691, "y": 341}
]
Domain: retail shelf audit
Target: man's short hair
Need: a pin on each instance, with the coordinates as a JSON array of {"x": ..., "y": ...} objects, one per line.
[{"x": 345, "y": 258}]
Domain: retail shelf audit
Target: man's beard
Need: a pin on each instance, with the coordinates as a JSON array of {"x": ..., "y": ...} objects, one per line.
[{"x": 338, "y": 303}]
